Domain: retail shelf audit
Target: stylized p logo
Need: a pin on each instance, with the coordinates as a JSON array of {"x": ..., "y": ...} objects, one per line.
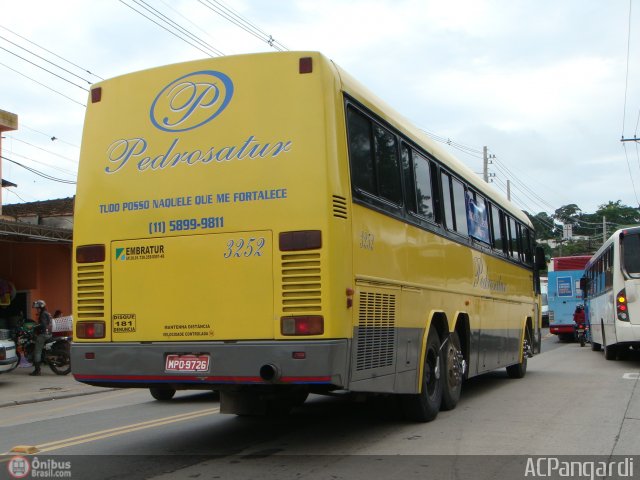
[{"x": 191, "y": 101}]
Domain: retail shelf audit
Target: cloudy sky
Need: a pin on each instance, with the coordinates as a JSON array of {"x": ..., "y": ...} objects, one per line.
[{"x": 545, "y": 84}]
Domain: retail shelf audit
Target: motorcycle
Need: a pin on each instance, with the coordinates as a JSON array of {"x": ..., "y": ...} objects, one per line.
[
  {"x": 582, "y": 332},
  {"x": 56, "y": 352}
]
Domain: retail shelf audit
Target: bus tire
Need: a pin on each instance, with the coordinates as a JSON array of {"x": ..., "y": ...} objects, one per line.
[
  {"x": 424, "y": 406},
  {"x": 519, "y": 370},
  {"x": 453, "y": 373},
  {"x": 610, "y": 352},
  {"x": 162, "y": 394}
]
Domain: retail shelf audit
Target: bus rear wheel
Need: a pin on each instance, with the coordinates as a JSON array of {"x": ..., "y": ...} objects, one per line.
[
  {"x": 610, "y": 352},
  {"x": 453, "y": 372},
  {"x": 520, "y": 369},
  {"x": 424, "y": 406},
  {"x": 163, "y": 394}
]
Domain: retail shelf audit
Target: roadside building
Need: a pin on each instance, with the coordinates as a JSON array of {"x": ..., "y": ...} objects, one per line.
[{"x": 35, "y": 257}]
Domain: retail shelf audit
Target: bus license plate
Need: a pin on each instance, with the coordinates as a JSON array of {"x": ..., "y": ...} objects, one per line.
[{"x": 187, "y": 363}]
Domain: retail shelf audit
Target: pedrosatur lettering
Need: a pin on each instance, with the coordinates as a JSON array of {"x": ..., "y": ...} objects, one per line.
[{"x": 134, "y": 150}]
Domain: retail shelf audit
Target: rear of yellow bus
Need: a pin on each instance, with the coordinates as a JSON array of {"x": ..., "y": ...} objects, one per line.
[{"x": 210, "y": 213}]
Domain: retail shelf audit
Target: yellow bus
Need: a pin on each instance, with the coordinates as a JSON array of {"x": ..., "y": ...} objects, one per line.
[{"x": 263, "y": 226}]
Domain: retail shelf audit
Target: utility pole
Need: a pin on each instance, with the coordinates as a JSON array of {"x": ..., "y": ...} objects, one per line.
[
  {"x": 604, "y": 229},
  {"x": 485, "y": 163},
  {"x": 509, "y": 190}
]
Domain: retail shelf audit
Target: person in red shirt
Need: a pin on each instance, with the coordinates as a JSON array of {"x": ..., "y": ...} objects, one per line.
[{"x": 578, "y": 315}]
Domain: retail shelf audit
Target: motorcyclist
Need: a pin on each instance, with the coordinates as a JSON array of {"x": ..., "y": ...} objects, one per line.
[
  {"x": 43, "y": 330},
  {"x": 578, "y": 315}
]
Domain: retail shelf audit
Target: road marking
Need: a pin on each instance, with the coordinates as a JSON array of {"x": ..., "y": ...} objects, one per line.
[
  {"x": 631, "y": 376},
  {"x": 112, "y": 432}
]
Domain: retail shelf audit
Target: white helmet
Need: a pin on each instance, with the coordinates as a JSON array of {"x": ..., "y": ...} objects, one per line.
[{"x": 39, "y": 304}]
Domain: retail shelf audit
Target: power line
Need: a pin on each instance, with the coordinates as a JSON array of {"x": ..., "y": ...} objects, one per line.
[
  {"x": 61, "y": 170},
  {"x": 177, "y": 26},
  {"x": 39, "y": 173},
  {"x": 48, "y": 61},
  {"x": 44, "y": 149},
  {"x": 166, "y": 4},
  {"x": 42, "y": 68},
  {"x": 51, "y": 137},
  {"x": 472, "y": 151},
  {"x": 541, "y": 201},
  {"x": 52, "y": 53},
  {"x": 43, "y": 85},
  {"x": 235, "y": 18},
  {"x": 10, "y": 190},
  {"x": 177, "y": 35}
]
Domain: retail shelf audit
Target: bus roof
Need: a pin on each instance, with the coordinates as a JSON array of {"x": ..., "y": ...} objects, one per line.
[{"x": 614, "y": 235}]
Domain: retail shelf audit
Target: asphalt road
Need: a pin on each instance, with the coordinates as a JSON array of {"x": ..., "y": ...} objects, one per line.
[{"x": 571, "y": 402}]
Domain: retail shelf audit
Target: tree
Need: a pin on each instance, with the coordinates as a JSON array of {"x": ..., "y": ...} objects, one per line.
[
  {"x": 567, "y": 214},
  {"x": 543, "y": 225},
  {"x": 618, "y": 214}
]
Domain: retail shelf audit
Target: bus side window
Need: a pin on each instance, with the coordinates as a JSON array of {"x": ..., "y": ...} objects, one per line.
[
  {"x": 387, "y": 163},
  {"x": 373, "y": 152},
  {"x": 361, "y": 152},
  {"x": 409, "y": 182},
  {"x": 447, "y": 202},
  {"x": 460, "y": 207},
  {"x": 497, "y": 228},
  {"x": 423, "y": 186},
  {"x": 527, "y": 244},
  {"x": 513, "y": 238},
  {"x": 522, "y": 240},
  {"x": 608, "y": 275}
]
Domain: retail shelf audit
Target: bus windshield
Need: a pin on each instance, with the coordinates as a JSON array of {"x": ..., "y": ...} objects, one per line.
[{"x": 631, "y": 255}]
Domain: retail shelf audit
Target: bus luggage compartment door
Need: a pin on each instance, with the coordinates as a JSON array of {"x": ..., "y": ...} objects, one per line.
[{"x": 193, "y": 287}]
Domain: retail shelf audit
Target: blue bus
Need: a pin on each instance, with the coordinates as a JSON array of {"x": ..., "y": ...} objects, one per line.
[{"x": 564, "y": 293}]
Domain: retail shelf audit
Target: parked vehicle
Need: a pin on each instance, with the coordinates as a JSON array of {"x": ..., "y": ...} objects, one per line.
[
  {"x": 8, "y": 357},
  {"x": 56, "y": 352}
]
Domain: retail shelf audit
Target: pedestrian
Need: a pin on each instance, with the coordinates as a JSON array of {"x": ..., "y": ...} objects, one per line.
[{"x": 43, "y": 330}]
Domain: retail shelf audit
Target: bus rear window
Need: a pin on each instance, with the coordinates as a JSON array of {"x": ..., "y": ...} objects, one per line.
[{"x": 631, "y": 254}]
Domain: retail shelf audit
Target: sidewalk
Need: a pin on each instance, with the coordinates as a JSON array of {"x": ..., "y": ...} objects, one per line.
[{"x": 17, "y": 387}]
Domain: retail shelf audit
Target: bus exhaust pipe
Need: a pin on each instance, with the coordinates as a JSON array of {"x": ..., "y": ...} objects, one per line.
[{"x": 270, "y": 373}]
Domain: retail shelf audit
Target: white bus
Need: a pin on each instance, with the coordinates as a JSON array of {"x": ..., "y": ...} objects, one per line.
[{"x": 612, "y": 288}]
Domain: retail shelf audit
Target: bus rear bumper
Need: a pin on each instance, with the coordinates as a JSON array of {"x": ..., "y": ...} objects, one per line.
[
  {"x": 320, "y": 362},
  {"x": 561, "y": 329}
]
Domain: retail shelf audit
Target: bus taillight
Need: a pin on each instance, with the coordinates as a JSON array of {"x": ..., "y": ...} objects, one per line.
[
  {"x": 96, "y": 94},
  {"x": 300, "y": 240},
  {"x": 90, "y": 330},
  {"x": 621, "y": 306},
  {"x": 90, "y": 253},
  {"x": 304, "y": 325},
  {"x": 305, "y": 65}
]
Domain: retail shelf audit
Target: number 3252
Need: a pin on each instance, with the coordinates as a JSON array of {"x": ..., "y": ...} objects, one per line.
[{"x": 249, "y": 247}]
